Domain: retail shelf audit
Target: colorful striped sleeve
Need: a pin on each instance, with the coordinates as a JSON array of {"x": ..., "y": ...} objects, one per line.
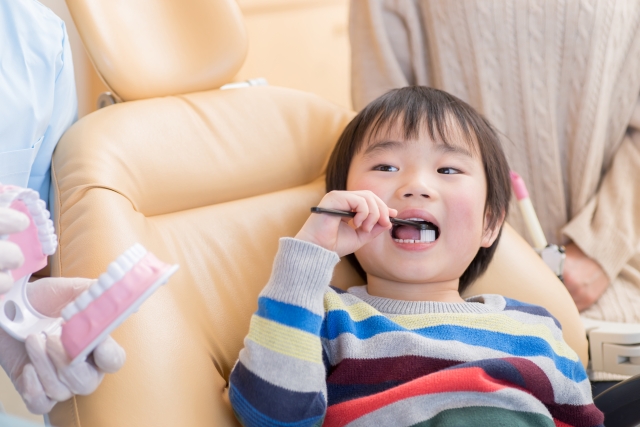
[{"x": 280, "y": 377}]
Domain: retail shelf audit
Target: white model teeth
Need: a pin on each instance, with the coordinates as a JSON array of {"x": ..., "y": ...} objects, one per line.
[
  {"x": 115, "y": 272},
  {"x": 69, "y": 311},
  {"x": 95, "y": 290},
  {"x": 29, "y": 196},
  {"x": 105, "y": 281},
  {"x": 83, "y": 300},
  {"x": 40, "y": 214}
]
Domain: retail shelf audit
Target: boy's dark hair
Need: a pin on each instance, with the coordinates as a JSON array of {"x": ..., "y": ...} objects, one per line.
[{"x": 414, "y": 107}]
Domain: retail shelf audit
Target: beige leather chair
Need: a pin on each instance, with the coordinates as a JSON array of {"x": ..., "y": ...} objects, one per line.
[{"x": 208, "y": 179}]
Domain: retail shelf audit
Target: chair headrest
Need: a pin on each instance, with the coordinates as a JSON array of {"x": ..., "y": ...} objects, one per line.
[{"x": 151, "y": 48}]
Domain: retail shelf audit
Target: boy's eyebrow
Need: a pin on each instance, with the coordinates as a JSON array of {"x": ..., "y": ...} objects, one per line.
[
  {"x": 382, "y": 146},
  {"x": 391, "y": 144},
  {"x": 449, "y": 148}
]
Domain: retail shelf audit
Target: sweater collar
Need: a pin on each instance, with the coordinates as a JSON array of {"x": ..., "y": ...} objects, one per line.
[{"x": 487, "y": 303}]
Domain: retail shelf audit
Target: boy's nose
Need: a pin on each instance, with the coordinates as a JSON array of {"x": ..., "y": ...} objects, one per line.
[
  {"x": 417, "y": 187},
  {"x": 425, "y": 195}
]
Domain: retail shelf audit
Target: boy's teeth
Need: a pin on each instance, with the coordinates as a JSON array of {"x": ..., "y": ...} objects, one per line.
[{"x": 412, "y": 241}]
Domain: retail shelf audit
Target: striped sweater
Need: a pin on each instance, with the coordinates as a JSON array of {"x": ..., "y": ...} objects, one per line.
[{"x": 316, "y": 355}]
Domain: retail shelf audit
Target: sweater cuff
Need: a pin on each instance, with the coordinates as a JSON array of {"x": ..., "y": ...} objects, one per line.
[
  {"x": 301, "y": 274},
  {"x": 606, "y": 245}
]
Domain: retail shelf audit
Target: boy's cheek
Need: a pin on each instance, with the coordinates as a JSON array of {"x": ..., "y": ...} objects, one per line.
[
  {"x": 464, "y": 227},
  {"x": 362, "y": 183}
]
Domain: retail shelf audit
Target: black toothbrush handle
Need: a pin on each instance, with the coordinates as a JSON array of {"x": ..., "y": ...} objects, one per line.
[{"x": 418, "y": 225}]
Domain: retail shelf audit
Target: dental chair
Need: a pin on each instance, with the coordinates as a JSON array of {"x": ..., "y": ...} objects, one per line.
[{"x": 208, "y": 179}]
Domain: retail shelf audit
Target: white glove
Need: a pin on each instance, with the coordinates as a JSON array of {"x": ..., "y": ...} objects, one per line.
[
  {"x": 39, "y": 368},
  {"x": 11, "y": 221}
]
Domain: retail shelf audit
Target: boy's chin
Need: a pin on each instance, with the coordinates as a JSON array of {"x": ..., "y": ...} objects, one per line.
[{"x": 416, "y": 277}]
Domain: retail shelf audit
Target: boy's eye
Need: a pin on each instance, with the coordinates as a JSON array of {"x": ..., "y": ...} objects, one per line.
[
  {"x": 448, "y": 171},
  {"x": 386, "y": 168}
]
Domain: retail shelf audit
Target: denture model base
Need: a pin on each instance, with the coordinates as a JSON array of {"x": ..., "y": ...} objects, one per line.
[{"x": 95, "y": 313}]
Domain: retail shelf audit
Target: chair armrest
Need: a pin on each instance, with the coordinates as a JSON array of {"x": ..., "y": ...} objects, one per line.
[
  {"x": 614, "y": 347},
  {"x": 621, "y": 403}
]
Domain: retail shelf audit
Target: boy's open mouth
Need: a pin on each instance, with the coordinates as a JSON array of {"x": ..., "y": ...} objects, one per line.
[{"x": 409, "y": 234}]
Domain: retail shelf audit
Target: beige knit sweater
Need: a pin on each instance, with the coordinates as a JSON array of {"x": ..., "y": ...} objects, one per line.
[{"x": 560, "y": 79}]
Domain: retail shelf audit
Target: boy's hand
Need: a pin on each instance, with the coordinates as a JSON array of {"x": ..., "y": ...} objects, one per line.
[{"x": 347, "y": 235}]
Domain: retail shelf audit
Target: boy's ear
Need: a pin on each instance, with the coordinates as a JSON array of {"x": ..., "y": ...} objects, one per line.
[{"x": 491, "y": 234}]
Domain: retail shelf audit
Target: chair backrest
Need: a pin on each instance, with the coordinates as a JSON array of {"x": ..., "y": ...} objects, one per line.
[
  {"x": 149, "y": 48},
  {"x": 210, "y": 180}
]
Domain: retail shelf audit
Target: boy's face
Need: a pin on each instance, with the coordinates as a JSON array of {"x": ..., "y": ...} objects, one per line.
[{"x": 444, "y": 185}]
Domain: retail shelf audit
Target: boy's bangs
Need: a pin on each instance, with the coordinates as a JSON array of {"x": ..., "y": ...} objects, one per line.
[{"x": 447, "y": 126}]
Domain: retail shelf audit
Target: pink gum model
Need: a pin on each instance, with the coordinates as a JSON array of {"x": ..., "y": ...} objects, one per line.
[
  {"x": 128, "y": 282},
  {"x": 109, "y": 301}
]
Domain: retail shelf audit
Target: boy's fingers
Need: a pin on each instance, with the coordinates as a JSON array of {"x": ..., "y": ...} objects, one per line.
[
  {"x": 383, "y": 211},
  {"x": 360, "y": 206},
  {"x": 10, "y": 255},
  {"x": 384, "y": 214},
  {"x": 366, "y": 237},
  {"x": 12, "y": 221},
  {"x": 374, "y": 213}
]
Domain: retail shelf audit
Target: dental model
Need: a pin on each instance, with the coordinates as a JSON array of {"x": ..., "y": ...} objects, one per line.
[
  {"x": 428, "y": 231},
  {"x": 95, "y": 313}
]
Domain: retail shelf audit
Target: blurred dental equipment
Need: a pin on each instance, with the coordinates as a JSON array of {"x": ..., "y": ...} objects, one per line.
[
  {"x": 552, "y": 255},
  {"x": 88, "y": 320}
]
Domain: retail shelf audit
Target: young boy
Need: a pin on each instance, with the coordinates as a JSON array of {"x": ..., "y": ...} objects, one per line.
[{"x": 406, "y": 349}]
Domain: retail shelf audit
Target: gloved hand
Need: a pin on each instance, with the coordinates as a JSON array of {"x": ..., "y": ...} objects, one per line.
[
  {"x": 11, "y": 221},
  {"x": 39, "y": 368}
]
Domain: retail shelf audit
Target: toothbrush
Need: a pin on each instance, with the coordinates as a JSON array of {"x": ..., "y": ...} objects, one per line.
[
  {"x": 427, "y": 231},
  {"x": 95, "y": 313},
  {"x": 528, "y": 213}
]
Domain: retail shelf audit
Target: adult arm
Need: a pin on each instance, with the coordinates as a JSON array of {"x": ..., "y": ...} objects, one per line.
[
  {"x": 280, "y": 375},
  {"x": 63, "y": 114},
  {"x": 383, "y": 35},
  {"x": 38, "y": 92},
  {"x": 606, "y": 232}
]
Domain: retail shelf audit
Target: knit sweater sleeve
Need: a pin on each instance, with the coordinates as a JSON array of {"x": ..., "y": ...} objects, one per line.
[
  {"x": 383, "y": 36},
  {"x": 607, "y": 229},
  {"x": 280, "y": 377}
]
